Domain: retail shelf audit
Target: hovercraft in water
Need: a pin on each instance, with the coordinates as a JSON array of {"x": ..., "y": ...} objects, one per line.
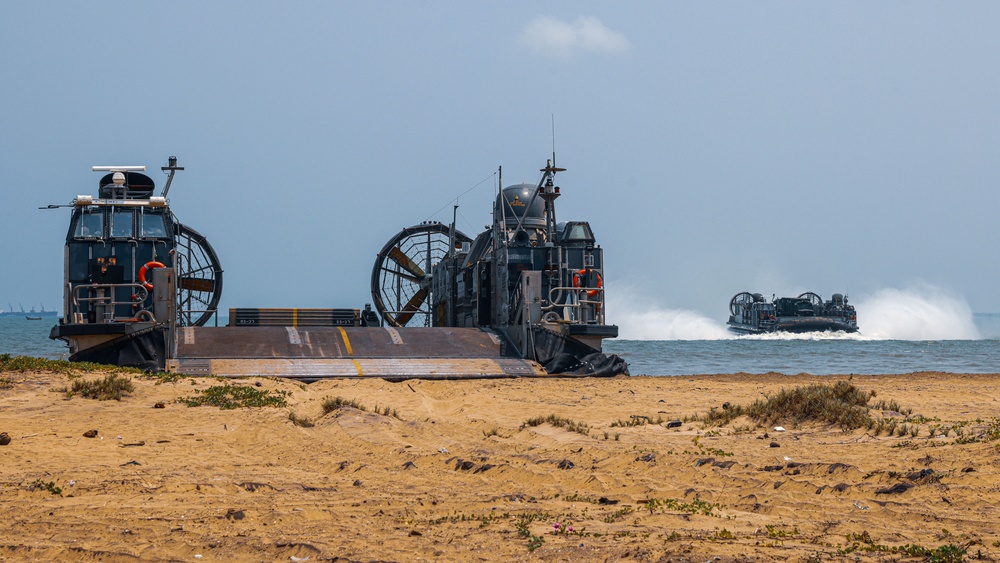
[{"x": 751, "y": 313}]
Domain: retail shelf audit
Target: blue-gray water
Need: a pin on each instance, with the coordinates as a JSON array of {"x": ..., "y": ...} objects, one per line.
[{"x": 814, "y": 354}]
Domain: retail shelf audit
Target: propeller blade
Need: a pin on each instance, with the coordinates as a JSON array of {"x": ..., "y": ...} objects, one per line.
[
  {"x": 197, "y": 284},
  {"x": 412, "y": 306},
  {"x": 404, "y": 261},
  {"x": 403, "y": 275}
]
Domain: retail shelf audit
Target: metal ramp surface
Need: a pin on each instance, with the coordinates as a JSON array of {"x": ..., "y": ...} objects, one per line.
[{"x": 330, "y": 352}]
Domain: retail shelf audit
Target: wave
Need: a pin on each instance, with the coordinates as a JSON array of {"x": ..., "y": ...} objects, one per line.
[
  {"x": 640, "y": 318},
  {"x": 811, "y": 336},
  {"x": 920, "y": 312}
]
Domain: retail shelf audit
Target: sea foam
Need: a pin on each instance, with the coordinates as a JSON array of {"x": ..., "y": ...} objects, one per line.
[
  {"x": 920, "y": 312},
  {"x": 640, "y": 318}
]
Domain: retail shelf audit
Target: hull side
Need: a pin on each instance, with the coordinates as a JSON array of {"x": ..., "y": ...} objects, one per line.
[{"x": 796, "y": 325}]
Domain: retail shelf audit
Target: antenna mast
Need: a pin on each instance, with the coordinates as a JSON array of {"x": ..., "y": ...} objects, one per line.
[{"x": 172, "y": 167}]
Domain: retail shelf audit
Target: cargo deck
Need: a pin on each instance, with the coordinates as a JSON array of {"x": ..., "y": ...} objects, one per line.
[{"x": 318, "y": 352}]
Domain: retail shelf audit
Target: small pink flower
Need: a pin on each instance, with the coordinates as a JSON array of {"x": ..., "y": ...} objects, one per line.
[
  {"x": 555, "y": 526},
  {"x": 570, "y": 529}
]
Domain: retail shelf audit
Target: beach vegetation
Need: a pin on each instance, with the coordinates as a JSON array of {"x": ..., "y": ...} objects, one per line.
[
  {"x": 637, "y": 420},
  {"x": 491, "y": 432},
  {"x": 741, "y": 429},
  {"x": 523, "y": 526},
  {"x": 577, "y": 497},
  {"x": 229, "y": 396},
  {"x": 5, "y": 382},
  {"x": 889, "y": 426},
  {"x": 32, "y": 364},
  {"x": 300, "y": 421},
  {"x": 722, "y": 534},
  {"x": 988, "y": 432},
  {"x": 617, "y": 515},
  {"x": 448, "y": 518},
  {"x": 697, "y": 506},
  {"x": 110, "y": 387},
  {"x": 331, "y": 404},
  {"x": 947, "y": 553},
  {"x": 841, "y": 404},
  {"x": 559, "y": 422},
  {"x": 780, "y": 532},
  {"x": 702, "y": 450},
  {"x": 893, "y": 406},
  {"x": 386, "y": 410},
  {"x": 167, "y": 377},
  {"x": 492, "y": 517},
  {"x": 51, "y": 487}
]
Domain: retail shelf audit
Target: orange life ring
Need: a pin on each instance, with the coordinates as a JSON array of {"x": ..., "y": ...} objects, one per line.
[
  {"x": 142, "y": 273},
  {"x": 590, "y": 292}
]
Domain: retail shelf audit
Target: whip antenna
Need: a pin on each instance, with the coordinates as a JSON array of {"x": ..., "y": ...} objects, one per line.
[{"x": 553, "y": 139}]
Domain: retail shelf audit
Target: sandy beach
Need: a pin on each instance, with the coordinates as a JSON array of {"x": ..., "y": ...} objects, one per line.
[{"x": 496, "y": 470}]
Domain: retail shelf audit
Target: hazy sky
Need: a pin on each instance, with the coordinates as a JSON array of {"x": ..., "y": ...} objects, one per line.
[{"x": 715, "y": 147}]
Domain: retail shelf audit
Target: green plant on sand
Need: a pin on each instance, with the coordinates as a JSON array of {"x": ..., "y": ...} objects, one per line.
[
  {"x": 842, "y": 404},
  {"x": 229, "y": 396}
]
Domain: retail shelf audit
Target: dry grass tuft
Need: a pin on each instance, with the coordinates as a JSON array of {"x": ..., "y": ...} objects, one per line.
[
  {"x": 842, "y": 404},
  {"x": 559, "y": 422},
  {"x": 110, "y": 387}
]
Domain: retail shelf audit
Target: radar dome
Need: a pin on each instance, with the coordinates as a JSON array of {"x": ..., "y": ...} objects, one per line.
[{"x": 519, "y": 204}]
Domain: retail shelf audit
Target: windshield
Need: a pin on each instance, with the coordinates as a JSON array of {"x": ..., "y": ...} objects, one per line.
[
  {"x": 153, "y": 226},
  {"x": 121, "y": 224},
  {"x": 90, "y": 225}
]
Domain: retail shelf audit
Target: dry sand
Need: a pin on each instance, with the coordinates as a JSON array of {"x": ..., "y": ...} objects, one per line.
[{"x": 459, "y": 477}]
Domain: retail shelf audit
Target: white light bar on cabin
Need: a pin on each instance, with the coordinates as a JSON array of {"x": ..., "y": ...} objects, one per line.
[
  {"x": 155, "y": 201},
  {"x": 118, "y": 168}
]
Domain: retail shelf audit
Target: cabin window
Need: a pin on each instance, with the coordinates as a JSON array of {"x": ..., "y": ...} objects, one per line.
[
  {"x": 153, "y": 226},
  {"x": 579, "y": 232},
  {"x": 90, "y": 225},
  {"x": 121, "y": 224}
]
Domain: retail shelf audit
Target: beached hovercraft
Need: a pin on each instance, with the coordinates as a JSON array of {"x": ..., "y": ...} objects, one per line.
[
  {"x": 537, "y": 283},
  {"x": 133, "y": 273},
  {"x": 751, "y": 313},
  {"x": 526, "y": 298}
]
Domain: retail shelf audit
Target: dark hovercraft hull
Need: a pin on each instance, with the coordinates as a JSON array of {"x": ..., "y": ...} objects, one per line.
[{"x": 796, "y": 325}]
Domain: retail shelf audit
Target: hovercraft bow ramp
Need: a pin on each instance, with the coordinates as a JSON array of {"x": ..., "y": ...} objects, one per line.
[{"x": 318, "y": 352}]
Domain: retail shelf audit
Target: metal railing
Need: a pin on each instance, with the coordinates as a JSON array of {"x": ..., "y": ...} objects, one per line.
[
  {"x": 103, "y": 302},
  {"x": 579, "y": 302}
]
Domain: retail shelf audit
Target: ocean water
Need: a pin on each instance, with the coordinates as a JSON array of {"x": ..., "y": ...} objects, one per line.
[
  {"x": 813, "y": 353},
  {"x": 816, "y": 354},
  {"x": 21, "y": 337}
]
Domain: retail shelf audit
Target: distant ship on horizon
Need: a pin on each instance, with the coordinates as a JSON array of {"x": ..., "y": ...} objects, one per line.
[{"x": 10, "y": 312}]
